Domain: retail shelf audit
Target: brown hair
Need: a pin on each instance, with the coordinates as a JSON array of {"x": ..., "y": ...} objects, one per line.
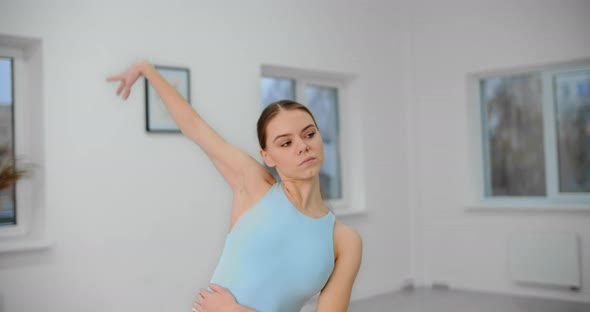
[{"x": 271, "y": 111}]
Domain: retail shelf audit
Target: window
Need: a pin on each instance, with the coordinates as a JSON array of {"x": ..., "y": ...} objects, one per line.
[
  {"x": 8, "y": 195},
  {"x": 533, "y": 129},
  {"x": 21, "y": 137},
  {"x": 323, "y": 95}
]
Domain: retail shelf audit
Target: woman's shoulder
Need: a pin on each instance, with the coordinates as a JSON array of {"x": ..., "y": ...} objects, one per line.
[
  {"x": 347, "y": 239},
  {"x": 252, "y": 186}
]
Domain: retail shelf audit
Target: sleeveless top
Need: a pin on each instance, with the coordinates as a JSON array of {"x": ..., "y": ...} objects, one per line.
[{"x": 276, "y": 258}]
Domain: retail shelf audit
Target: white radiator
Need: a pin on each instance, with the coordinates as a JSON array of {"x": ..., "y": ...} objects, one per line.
[{"x": 548, "y": 258}]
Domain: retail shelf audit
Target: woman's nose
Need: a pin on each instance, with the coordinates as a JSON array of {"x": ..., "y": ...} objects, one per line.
[{"x": 303, "y": 147}]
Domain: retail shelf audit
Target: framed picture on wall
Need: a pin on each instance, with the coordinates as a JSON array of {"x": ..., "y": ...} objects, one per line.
[{"x": 157, "y": 117}]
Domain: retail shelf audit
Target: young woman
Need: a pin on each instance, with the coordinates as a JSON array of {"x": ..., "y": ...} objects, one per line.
[{"x": 283, "y": 245}]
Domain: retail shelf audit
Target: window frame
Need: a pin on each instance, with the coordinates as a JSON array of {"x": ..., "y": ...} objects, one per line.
[
  {"x": 553, "y": 200},
  {"x": 28, "y": 233},
  {"x": 8, "y": 55},
  {"x": 551, "y": 146}
]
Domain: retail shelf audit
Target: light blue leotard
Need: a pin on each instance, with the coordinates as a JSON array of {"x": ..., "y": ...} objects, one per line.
[{"x": 275, "y": 257}]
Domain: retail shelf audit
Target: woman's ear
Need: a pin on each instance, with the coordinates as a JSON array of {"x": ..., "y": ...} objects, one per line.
[{"x": 267, "y": 160}]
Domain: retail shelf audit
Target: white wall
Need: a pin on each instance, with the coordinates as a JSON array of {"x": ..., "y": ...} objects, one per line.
[
  {"x": 448, "y": 40},
  {"x": 139, "y": 219}
]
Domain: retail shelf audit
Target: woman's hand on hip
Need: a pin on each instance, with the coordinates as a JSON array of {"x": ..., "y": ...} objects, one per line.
[{"x": 221, "y": 300}]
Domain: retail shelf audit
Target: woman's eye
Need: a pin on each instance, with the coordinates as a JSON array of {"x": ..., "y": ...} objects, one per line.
[
  {"x": 311, "y": 134},
  {"x": 286, "y": 144}
]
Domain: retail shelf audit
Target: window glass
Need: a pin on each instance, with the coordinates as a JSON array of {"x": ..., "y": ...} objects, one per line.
[
  {"x": 572, "y": 109},
  {"x": 513, "y": 135},
  {"x": 7, "y": 195},
  {"x": 323, "y": 104}
]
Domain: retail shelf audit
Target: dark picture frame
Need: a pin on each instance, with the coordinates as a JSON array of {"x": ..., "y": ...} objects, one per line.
[{"x": 157, "y": 117}]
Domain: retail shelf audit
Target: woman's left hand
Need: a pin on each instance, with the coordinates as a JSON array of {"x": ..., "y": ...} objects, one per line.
[{"x": 220, "y": 301}]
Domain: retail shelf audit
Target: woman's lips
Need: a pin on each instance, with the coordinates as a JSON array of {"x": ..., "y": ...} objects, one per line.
[{"x": 307, "y": 160}]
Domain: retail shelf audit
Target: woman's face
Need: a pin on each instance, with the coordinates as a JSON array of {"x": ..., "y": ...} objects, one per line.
[{"x": 291, "y": 138}]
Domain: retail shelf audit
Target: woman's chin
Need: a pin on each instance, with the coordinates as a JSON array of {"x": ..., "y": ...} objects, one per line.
[
  {"x": 310, "y": 173},
  {"x": 307, "y": 173}
]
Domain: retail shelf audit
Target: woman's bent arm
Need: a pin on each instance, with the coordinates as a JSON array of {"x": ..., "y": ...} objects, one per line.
[
  {"x": 335, "y": 296},
  {"x": 230, "y": 161}
]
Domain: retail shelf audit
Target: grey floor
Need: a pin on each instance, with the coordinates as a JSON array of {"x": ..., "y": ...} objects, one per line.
[{"x": 451, "y": 300}]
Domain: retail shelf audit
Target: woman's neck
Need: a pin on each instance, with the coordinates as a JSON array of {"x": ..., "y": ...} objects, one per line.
[{"x": 305, "y": 195}]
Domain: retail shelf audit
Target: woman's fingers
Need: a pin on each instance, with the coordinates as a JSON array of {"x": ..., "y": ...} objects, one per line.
[
  {"x": 204, "y": 294},
  {"x": 198, "y": 305},
  {"x": 125, "y": 85},
  {"x": 121, "y": 86},
  {"x": 127, "y": 91},
  {"x": 217, "y": 288},
  {"x": 127, "y": 78},
  {"x": 115, "y": 77}
]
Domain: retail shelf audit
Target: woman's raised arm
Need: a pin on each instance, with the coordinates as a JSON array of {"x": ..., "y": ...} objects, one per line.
[{"x": 233, "y": 163}]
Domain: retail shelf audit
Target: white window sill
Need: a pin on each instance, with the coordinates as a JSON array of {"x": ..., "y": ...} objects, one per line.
[
  {"x": 490, "y": 207},
  {"x": 25, "y": 245}
]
